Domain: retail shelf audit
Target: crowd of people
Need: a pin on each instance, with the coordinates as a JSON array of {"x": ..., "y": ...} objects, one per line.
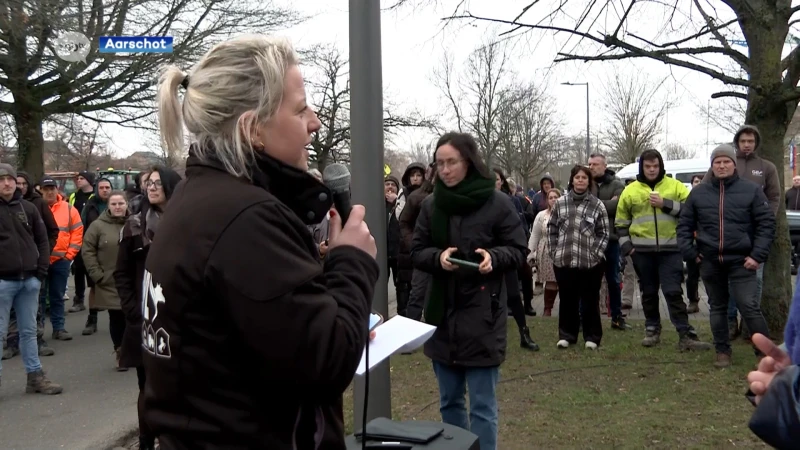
[{"x": 242, "y": 277}]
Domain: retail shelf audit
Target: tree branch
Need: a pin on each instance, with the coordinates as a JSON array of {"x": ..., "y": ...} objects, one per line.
[
  {"x": 630, "y": 51},
  {"x": 734, "y": 94}
]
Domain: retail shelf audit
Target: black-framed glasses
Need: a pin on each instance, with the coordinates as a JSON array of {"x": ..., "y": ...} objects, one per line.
[{"x": 156, "y": 183}]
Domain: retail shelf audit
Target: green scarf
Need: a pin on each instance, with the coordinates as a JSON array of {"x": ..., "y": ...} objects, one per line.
[{"x": 460, "y": 200}]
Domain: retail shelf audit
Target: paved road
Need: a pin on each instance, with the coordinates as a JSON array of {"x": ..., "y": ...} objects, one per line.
[{"x": 97, "y": 407}]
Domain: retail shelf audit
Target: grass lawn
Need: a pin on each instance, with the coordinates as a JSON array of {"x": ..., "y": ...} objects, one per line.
[{"x": 622, "y": 395}]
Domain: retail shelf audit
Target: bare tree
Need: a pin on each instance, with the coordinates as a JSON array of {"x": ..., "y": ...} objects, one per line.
[
  {"x": 697, "y": 36},
  {"x": 396, "y": 160},
  {"x": 421, "y": 153},
  {"x": 477, "y": 95},
  {"x": 329, "y": 86},
  {"x": 676, "y": 151},
  {"x": 42, "y": 85},
  {"x": 74, "y": 144},
  {"x": 529, "y": 130},
  {"x": 634, "y": 115}
]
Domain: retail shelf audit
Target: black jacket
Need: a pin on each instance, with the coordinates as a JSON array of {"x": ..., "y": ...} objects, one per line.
[
  {"x": 608, "y": 187},
  {"x": 473, "y": 331},
  {"x": 91, "y": 212},
  {"x": 776, "y": 419},
  {"x": 732, "y": 219},
  {"x": 24, "y": 246},
  {"x": 255, "y": 341},
  {"x": 793, "y": 199},
  {"x": 128, "y": 277},
  {"x": 44, "y": 209},
  {"x": 408, "y": 220}
]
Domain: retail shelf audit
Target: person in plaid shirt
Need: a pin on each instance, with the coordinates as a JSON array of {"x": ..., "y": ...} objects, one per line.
[{"x": 578, "y": 234}]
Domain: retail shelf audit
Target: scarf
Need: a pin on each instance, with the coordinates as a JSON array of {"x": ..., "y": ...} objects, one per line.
[
  {"x": 462, "y": 199},
  {"x": 151, "y": 222},
  {"x": 576, "y": 197}
]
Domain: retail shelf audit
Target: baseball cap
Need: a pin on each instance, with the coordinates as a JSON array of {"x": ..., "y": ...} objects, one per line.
[{"x": 48, "y": 181}]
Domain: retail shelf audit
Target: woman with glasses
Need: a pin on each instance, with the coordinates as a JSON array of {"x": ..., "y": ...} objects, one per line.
[
  {"x": 466, "y": 219},
  {"x": 135, "y": 239}
]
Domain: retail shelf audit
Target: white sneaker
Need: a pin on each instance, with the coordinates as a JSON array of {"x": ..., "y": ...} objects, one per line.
[
  {"x": 562, "y": 344},
  {"x": 591, "y": 345}
]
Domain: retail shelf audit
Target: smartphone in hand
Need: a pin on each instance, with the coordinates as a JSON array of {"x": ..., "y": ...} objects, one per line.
[
  {"x": 375, "y": 319},
  {"x": 463, "y": 263}
]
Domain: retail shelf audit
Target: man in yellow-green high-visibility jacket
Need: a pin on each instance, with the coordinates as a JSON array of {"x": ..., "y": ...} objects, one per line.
[{"x": 646, "y": 222}]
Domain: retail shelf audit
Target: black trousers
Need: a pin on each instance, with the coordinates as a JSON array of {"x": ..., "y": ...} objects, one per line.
[
  {"x": 416, "y": 299},
  {"x": 692, "y": 281},
  {"x": 664, "y": 270},
  {"x": 144, "y": 431},
  {"x": 116, "y": 326},
  {"x": 525, "y": 274},
  {"x": 513, "y": 300},
  {"x": 579, "y": 292},
  {"x": 82, "y": 278},
  {"x": 720, "y": 279}
]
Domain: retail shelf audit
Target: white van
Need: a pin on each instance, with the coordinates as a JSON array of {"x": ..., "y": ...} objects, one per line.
[{"x": 681, "y": 169}]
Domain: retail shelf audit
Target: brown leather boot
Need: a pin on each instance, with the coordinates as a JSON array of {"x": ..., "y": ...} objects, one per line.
[
  {"x": 38, "y": 383},
  {"x": 549, "y": 301}
]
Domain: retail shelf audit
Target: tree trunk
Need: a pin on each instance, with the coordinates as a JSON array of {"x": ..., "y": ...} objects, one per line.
[
  {"x": 30, "y": 142},
  {"x": 766, "y": 111},
  {"x": 323, "y": 155}
]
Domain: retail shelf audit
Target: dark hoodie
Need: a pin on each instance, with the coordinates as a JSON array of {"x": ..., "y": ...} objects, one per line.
[
  {"x": 44, "y": 210},
  {"x": 539, "y": 201},
  {"x": 392, "y": 224},
  {"x": 609, "y": 186},
  {"x": 661, "y": 174},
  {"x": 408, "y": 221},
  {"x": 756, "y": 169}
]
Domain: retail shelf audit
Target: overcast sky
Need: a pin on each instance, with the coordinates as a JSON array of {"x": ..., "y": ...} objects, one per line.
[{"x": 413, "y": 44}]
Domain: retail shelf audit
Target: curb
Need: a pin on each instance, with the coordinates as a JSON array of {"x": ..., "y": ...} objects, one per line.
[{"x": 118, "y": 439}]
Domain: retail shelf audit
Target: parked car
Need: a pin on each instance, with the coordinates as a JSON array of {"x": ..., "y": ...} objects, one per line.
[{"x": 793, "y": 221}]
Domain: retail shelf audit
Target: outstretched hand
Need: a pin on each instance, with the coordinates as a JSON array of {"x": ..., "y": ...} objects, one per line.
[{"x": 774, "y": 361}]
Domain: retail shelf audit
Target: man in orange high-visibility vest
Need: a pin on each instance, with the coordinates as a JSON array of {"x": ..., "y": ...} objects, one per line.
[{"x": 68, "y": 244}]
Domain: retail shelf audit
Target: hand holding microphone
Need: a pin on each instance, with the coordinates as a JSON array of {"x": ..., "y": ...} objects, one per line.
[
  {"x": 347, "y": 226},
  {"x": 355, "y": 232}
]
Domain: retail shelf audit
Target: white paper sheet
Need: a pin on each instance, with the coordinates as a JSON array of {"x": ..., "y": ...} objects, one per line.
[{"x": 398, "y": 334}]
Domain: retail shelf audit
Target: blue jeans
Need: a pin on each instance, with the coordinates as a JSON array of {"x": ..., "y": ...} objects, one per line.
[
  {"x": 613, "y": 279},
  {"x": 482, "y": 382},
  {"x": 732, "y": 309},
  {"x": 21, "y": 295},
  {"x": 56, "y": 286}
]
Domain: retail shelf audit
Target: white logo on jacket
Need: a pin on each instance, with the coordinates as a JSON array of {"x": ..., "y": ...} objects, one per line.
[{"x": 154, "y": 342}]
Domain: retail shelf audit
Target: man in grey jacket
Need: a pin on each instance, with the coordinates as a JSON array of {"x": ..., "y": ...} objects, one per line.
[{"x": 609, "y": 188}]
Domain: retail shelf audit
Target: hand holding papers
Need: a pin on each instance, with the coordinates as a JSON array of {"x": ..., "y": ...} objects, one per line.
[{"x": 398, "y": 334}]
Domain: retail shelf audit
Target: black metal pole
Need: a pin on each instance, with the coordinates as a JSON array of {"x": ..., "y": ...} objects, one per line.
[{"x": 366, "y": 155}]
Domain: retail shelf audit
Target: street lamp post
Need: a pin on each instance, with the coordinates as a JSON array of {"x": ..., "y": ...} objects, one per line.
[
  {"x": 366, "y": 150},
  {"x": 588, "y": 139}
]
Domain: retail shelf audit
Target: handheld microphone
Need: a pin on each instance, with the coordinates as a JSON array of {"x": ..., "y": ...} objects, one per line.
[{"x": 337, "y": 178}]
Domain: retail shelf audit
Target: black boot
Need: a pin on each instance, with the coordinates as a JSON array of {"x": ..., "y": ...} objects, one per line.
[
  {"x": 91, "y": 325},
  {"x": 403, "y": 294},
  {"x": 525, "y": 340},
  {"x": 147, "y": 442},
  {"x": 529, "y": 311}
]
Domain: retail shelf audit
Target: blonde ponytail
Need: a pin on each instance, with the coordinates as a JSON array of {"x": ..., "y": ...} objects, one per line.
[
  {"x": 170, "y": 111},
  {"x": 234, "y": 88}
]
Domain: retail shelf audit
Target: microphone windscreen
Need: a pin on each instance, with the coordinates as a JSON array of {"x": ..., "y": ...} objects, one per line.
[{"x": 337, "y": 178}]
